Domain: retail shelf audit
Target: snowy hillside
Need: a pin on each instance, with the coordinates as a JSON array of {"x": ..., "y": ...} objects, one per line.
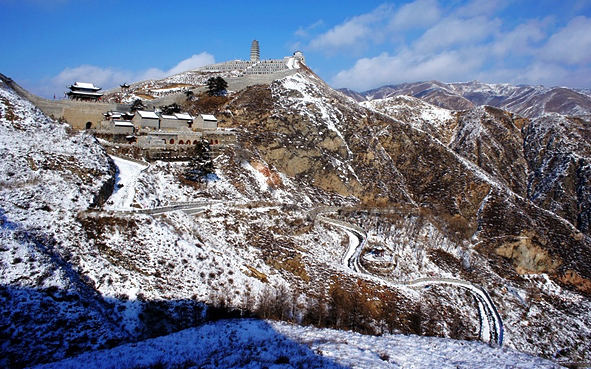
[
  {"x": 48, "y": 175},
  {"x": 258, "y": 344},
  {"x": 324, "y": 213},
  {"x": 437, "y": 121}
]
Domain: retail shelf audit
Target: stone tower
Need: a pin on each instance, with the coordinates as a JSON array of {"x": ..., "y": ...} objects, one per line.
[{"x": 255, "y": 54}]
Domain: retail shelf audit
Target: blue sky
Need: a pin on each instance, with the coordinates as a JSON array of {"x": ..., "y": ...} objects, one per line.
[{"x": 49, "y": 44}]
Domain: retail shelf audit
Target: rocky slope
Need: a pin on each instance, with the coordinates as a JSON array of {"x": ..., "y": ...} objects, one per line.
[
  {"x": 439, "y": 194},
  {"x": 527, "y": 101},
  {"x": 544, "y": 159},
  {"x": 467, "y": 173},
  {"x": 470, "y": 173},
  {"x": 558, "y": 153}
]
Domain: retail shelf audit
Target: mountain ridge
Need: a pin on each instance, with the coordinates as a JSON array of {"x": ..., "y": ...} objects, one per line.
[{"x": 528, "y": 101}]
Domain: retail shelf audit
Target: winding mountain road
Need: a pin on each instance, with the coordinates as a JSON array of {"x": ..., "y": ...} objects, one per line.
[{"x": 491, "y": 324}]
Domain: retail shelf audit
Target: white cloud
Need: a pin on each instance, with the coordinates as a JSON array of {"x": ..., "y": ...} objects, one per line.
[
  {"x": 355, "y": 34},
  {"x": 481, "y": 7},
  {"x": 408, "y": 66},
  {"x": 387, "y": 23},
  {"x": 570, "y": 45},
  {"x": 460, "y": 43},
  {"x": 193, "y": 62},
  {"x": 90, "y": 73},
  {"x": 543, "y": 74},
  {"x": 540, "y": 73},
  {"x": 520, "y": 40},
  {"x": 532, "y": 74},
  {"x": 304, "y": 32},
  {"x": 107, "y": 78},
  {"x": 418, "y": 14},
  {"x": 454, "y": 31}
]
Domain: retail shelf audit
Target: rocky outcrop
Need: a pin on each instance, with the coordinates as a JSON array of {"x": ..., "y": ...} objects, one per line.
[
  {"x": 558, "y": 153},
  {"x": 106, "y": 190},
  {"x": 490, "y": 138},
  {"x": 527, "y": 256}
]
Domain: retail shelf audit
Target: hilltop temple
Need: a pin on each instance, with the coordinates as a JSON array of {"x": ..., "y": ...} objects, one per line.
[
  {"x": 257, "y": 66},
  {"x": 84, "y": 91}
]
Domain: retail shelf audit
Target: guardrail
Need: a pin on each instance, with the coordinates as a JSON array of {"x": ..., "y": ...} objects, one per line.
[
  {"x": 575, "y": 365},
  {"x": 178, "y": 206}
]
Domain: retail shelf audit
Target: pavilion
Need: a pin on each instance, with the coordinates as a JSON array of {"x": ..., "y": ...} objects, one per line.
[{"x": 84, "y": 91}]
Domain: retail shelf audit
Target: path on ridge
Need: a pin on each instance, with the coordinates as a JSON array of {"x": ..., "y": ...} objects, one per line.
[{"x": 125, "y": 180}]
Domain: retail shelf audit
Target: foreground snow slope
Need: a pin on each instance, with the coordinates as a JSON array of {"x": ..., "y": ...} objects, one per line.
[
  {"x": 47, "y": 175},
  {"x": 256, "y": 343}
]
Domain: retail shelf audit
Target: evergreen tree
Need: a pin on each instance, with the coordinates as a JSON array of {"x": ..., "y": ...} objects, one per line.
[
  {"x": 201, "y": 164},
  {"x": 138, "y": 104},
  {"x": 171, "y": 109},
  {"x": 217, "y": 86}
]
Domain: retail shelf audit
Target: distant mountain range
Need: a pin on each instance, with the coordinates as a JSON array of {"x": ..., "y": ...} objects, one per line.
[{"x": 528, "y": 101}]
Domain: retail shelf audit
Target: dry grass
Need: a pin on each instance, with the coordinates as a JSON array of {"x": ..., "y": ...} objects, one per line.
[{"x": 144, "y": 96}]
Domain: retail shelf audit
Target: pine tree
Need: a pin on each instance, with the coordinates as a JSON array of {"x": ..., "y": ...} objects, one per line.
[
  {"x": 201, "y": 164},
  {"x": 138, "y": 104},
  {"x": 171, "y": 109},
  {"x": 216, "y": 86}
]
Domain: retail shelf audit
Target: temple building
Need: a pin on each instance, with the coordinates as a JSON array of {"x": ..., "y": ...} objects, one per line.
[{"x": 84, "y": 91}]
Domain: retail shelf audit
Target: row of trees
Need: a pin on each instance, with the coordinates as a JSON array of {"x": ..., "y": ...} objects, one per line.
[
  {"x": 348, "y": 307},
  {"x": 353, "y": 306}
]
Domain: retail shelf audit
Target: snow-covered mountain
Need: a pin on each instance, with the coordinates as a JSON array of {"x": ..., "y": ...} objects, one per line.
[
  {"x": 527, "y": 101},
  {"x": 399, "y": 218}
]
